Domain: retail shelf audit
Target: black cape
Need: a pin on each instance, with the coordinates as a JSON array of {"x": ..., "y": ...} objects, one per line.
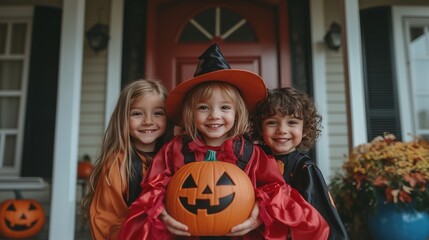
[{"x": 301, "y": 172}]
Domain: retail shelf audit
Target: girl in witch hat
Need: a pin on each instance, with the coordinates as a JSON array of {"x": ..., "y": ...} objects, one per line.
[{"x": 213, "y": 109}]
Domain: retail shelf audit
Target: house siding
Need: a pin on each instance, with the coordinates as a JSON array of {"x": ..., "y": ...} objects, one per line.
[
  {"x": 337, "y": 110},
  {"x": 94, "y": 82},
  {"x": 92, "y": 106}
]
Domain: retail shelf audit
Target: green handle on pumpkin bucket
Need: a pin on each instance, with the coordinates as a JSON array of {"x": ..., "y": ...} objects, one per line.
[{"x": 210, "y": 156}]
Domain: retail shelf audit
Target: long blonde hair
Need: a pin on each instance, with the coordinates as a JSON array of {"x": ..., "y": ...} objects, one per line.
[
  {"x": 203, "y": 92},
  {"x": 117, "y": 141}
]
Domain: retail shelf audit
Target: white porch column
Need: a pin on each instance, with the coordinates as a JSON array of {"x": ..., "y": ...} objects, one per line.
[
  {"x": 63, "y": 203},
  {"x": 354, "y": 71},
  {"x": 319, "y": 83},
  {"x": 114, "y": 59}
]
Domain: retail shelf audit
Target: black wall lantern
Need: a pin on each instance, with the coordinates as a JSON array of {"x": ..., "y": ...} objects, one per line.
[
  {"x": 98, "y": 37},
  {"x": 333, "y": 36}
]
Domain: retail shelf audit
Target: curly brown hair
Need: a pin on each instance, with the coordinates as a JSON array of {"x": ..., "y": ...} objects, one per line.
[{"x": 288, "y": 101}]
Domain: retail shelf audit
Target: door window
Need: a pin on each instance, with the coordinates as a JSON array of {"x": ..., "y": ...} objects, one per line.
[{"x": 219, "y": 23}]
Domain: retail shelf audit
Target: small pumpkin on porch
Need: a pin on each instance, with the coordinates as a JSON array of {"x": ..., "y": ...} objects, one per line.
[
  {"x": 21, "y": 218},
  {"x": 84, "y": 168},
  {"x": 210, "y": 196}
]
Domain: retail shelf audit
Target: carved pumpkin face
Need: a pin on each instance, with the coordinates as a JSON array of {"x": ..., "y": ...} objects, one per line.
[
  {"x": 210, "y": 197},
  {"x": 21, "y": 218}
]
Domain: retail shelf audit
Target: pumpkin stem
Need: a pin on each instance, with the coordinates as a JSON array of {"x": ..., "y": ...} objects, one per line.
[
  {"x": 18, "y": 194},
  {"x": 210, "y": 156},
  {"x": 86, "y": 158}
]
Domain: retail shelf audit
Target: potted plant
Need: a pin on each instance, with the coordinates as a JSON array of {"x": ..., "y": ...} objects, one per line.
[{"x": 384, "y": 172}]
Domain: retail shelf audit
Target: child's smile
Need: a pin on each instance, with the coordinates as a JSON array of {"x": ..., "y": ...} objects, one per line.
[
  {"x": 281, "y": 140},
  {"x": 214, "y": 125},
  {"x": 148, "y": 131}
]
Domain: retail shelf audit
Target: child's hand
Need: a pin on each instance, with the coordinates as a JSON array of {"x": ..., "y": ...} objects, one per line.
[
  {"x": 173, "y": 226},
  {"x": 250, "y": 224}
]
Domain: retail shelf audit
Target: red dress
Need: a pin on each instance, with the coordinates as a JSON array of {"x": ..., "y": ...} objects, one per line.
[{"x": 281, "y": 208}]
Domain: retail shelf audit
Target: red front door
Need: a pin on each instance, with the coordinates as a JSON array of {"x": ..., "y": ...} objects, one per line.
[{"x": 250, "y": 36}]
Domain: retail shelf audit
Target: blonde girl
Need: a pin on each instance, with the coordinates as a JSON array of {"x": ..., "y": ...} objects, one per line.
[{"x": 137, "y": 129}]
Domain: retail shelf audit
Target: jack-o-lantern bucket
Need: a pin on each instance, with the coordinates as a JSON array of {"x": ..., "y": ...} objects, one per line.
[
  {"x": 21, "y": 218},
  {"x": 210, "y": 196}
]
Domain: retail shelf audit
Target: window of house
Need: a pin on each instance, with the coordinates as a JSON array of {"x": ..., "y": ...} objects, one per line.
[
  {"x": 418, "y": 44},
  {"x": 411, "y": 37},
  {"x": 14, "y": 58}
]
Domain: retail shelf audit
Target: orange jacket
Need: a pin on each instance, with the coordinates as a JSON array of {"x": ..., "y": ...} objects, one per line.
[{"x": 108, "y": 207}]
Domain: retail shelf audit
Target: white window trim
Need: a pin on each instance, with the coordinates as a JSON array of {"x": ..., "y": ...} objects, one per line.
[{"x": 401, "y": 61}]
